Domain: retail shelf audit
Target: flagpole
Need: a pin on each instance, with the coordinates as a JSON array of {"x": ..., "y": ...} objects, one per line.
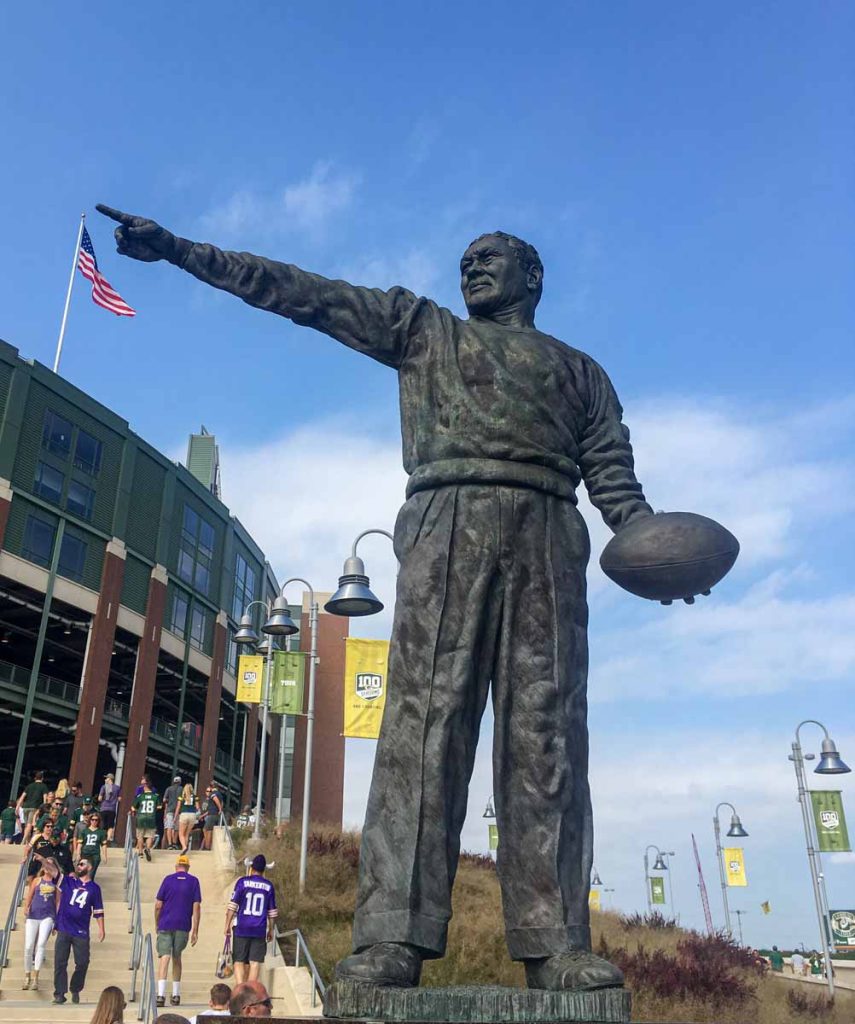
[{"x": 68, "y": 294}]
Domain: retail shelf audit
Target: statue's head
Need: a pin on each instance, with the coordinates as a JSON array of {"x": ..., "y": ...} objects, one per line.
[{"x": 498, "y": 271}]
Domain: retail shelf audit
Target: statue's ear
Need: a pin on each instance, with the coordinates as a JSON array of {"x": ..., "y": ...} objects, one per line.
[{"x": 534, "y": 278}]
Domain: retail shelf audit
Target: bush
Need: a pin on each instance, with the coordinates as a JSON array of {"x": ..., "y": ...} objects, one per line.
[{"x": 817, "y": 1007}]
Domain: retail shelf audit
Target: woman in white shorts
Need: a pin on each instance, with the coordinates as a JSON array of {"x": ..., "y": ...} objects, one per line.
[
  {"x": 40, "y": 902},
  {"x": 188, "y": 812}
]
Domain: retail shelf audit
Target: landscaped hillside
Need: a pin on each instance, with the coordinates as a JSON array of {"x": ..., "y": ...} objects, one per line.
[{"x": 674, "y": 975}]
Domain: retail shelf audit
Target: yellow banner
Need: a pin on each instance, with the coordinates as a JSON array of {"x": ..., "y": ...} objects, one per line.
[
  {"x": 734, "y": 865},
  {"x": 365, "y": 675},
  {"x": 594, "y": 899},
  {"x": 250, "y": 677}
]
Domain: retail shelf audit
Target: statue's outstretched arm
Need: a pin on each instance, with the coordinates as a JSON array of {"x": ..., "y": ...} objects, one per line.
[{"x": 369, "y": 320}]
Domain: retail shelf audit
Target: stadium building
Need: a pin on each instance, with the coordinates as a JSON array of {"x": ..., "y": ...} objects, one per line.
[{"x": 122, "y": 579}]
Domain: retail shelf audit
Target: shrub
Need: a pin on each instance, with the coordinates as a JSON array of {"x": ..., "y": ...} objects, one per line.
[{"x": 816, "y": 1007}]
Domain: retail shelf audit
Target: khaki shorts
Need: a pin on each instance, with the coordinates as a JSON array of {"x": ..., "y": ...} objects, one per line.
[
  {"x": 172, "y": 943},
  {"x": 146, "y": 833}
]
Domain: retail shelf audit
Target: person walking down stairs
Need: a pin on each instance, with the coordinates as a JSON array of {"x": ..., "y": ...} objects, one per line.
[
  {"x": 40, "y": 903},
  {"x": 80, "y": 899}
]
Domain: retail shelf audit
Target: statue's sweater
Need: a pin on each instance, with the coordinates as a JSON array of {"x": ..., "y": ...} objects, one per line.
[{"x": 480, "y": 402}]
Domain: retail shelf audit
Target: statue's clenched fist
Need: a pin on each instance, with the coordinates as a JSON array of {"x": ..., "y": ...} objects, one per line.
[{"x": 140, "y": 237}]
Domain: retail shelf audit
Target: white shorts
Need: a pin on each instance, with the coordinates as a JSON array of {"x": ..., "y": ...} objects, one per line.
[{"x": 169, "y": 819}]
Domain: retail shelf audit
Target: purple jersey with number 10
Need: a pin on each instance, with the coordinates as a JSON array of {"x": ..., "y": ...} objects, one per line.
[{"x": 254, "y": 902}]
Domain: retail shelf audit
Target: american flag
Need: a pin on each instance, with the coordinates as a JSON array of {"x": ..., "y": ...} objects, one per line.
[{"x": 103, "y": 293}]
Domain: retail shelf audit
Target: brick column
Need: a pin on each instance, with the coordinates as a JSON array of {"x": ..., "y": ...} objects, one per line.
[
  {"x": 248, "y": 761},
  {"x": 145, "y": 679},
  {"x": 96, "y": 669},
  {"x": 328, "y": 745},
  {"x": 5, "y": 504},
  {"x": 213, "y": 697}
]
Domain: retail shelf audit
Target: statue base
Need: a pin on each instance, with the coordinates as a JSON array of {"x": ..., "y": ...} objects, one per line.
[{"x": 475, "y": 1004}]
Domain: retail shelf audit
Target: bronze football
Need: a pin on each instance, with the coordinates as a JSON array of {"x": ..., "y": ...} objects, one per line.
[{"x": 670, "y": 556}]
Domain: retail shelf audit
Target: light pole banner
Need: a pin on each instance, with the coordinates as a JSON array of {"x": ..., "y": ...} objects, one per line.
[
  {"x": 657, "y": 889},
  {"x": 493, "y": 835},
  {"x": 594, "y": 899},
  {"x": 286, "y": 683},
  {"x": 734, "y": 865},
  {"x": 365, "y": 675},
  {"x": 842, "y": 928},
  {"x": 250, "y": 678},
  {"x": 831, "y": 831}
]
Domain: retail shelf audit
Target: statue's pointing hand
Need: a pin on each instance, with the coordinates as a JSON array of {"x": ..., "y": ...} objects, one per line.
[{"x": 139, "y": 237}]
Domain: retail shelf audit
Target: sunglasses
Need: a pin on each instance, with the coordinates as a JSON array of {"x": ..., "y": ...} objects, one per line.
[{"x": 261, "y": 1002}]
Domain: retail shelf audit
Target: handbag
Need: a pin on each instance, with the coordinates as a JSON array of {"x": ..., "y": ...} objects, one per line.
[{"x": 225, "y": 963}]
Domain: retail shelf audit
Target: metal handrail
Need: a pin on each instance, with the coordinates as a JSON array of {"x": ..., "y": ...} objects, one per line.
[
  {"x": 318, "y": 987},
  {"x": 10, "y": 924},
  {"x": 147, "y": 1009},
  {"x": 224, "y": 824}
]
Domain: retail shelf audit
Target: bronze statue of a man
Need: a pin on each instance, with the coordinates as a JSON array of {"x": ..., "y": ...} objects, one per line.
[{"x": 500, "y": 424}]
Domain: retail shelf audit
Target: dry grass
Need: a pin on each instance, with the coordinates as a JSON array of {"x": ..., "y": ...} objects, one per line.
[{"x": 673, "y": 975}]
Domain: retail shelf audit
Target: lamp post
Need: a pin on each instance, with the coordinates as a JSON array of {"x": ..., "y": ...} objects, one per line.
[
  {"x": 280, "y": 623},
  {"x": 830, "y": 763},
  {"x": 739, "y": 915},
  {"x": 658, "y": 865},
  {"x": 595, "y": 877},
  {"x": 736, "y": 831},
  {"x": 353, "y": 597},
  {"x": 245, "y": 637},
  {"x": 669, "y": 854}
]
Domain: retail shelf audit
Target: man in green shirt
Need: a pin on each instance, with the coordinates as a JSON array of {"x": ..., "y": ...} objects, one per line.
[
  {"x": 776, "y": 959},
  {"x": 31, "y": 800},
  {"x": 61, "y": 824},
  {"x": 8, "y": 823},
  {"x": 93, "y": 843},
  {"x": 144, "y": 810}
]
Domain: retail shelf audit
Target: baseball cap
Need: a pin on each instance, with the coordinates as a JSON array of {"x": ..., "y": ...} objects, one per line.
[
  {"x": 259, "y": 862},
  {"x": 177, "y": 778},
  {"x": 183, "y": 861}
]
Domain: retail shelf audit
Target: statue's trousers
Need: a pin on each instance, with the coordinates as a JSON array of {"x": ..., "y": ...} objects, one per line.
[{"x": 490, "y": 599}]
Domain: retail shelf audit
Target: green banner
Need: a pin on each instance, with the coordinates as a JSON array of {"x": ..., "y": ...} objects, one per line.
[
  {"x": 493, "y": 834},
  {"x": 842, "y": 928},
  {"x": 831, "y": 832},
  {"x": 286, "y": 683},
  {"x": 657, "y": 890}
]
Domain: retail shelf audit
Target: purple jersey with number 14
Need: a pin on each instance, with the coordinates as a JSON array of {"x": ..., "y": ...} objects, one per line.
[
  {"x": 254, "y": 902},
  {"x": 78, "y": 902}
]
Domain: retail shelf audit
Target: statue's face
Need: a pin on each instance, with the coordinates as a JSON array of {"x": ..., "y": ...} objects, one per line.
[{"x": 491, "y": 277}]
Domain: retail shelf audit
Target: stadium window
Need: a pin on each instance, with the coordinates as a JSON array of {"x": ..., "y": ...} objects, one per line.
[
  {"x": 198, "y": 627},
  {"x": 245, "y": 583},
  {"x": 80, "y": 500},
  {"x": 232, "y": 653},
  {"x": 38, "y": 540},
  {"x": 87, "y": 453},
  {"x": 72, "y": 557},
  {"x": 56, "y": 434},
  {"x": 48, "y": 483},
  {"x": 178, "y": 621},
  {"x": 196, "y": 550}
]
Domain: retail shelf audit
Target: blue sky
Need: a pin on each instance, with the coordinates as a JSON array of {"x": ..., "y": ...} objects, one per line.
[{"x": 686, "y": 174}]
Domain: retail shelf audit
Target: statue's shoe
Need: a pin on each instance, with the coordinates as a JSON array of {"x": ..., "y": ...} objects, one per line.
[
  {"x": 575, "y": 970},
  {"x": 391, "y": 964}
]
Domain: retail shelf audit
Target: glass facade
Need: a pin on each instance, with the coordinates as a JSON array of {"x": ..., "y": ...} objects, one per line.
[{"x": 196, "y": 550}]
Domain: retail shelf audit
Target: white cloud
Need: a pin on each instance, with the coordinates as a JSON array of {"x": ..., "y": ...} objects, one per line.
[
  {"x": 415, "y": 269},
  {"x": 306, "y": 206},
  {"x": 305, "y": 496}
]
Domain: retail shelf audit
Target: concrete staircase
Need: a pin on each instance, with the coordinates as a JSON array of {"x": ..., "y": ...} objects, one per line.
[{"x": 291, "y": 987}]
